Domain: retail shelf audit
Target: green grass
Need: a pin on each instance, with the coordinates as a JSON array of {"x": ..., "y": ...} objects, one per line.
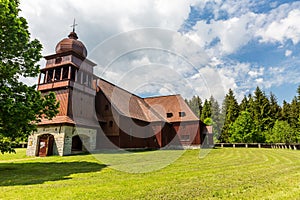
[{"x": 227, "y": 173}]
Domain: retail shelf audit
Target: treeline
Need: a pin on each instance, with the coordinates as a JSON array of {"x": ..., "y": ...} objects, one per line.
[{"x": 258, "y": 118}]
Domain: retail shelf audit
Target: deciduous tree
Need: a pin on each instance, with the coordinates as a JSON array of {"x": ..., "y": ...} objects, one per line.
[
  {"x": 282, "y": 133},
  {"x": 242, "y": 130},
  {"x": 21, "y": 106}
]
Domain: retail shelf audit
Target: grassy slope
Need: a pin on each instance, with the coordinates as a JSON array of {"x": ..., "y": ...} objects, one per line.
[{"x": 224, "y": 173}]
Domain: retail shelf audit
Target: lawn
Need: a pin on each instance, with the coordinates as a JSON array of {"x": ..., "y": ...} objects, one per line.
[{"x": 227, "y": 173}]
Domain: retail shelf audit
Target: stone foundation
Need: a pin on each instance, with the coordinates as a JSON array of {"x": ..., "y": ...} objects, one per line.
[{"x": 63, "y": 135}]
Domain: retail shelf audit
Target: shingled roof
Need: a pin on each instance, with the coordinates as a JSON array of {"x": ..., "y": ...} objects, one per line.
[
  {"x": 126, "y": 103},
  {"x": 173, "y": 108},
  {"x": 147, "y": 109}
]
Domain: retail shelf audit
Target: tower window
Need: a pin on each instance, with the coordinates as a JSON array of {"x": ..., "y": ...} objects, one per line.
[
  {"x": 169, "y": 115},
  {"x": 182, "y": 114},
  {"x": 58, "y": 60},
  {"x": 106, "y": 107},
  {"x": 73, "y": 73},
  {"x": 65, "y": 73},
  {"x": 49, "y": 76},
  {"x": 42, "y": 77},
  {"x": 57, "y": 74},
  {"x": 111, "y": 123}
]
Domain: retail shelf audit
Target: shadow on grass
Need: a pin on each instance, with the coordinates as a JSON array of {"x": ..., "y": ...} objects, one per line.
[{"x": 40, "y": 172}]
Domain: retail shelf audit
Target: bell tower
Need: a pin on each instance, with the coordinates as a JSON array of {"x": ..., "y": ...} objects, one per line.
[{"x": 69, "y": 74}]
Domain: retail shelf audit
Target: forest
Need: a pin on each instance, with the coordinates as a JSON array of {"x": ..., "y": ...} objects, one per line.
[{"x": 258, "y": 118}]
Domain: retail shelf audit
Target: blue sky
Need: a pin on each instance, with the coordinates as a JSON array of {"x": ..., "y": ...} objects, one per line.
[
  {"x": 192, "y": 47},
  {"x": 268, "y": 55}
]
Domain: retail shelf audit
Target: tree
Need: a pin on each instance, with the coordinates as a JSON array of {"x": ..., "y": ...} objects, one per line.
[
  {"x": 294, "y": 114},
  {"x": 242, "y": 130},
  {"x": 275, "y": 109},
  {"x": 286, "y": 107},
  {"x": 230, "y": 111},
  {"x": 298, "y": 93},
  {"x": 196, "y": 105},
  {"x": 217, "y": 122},
  {"x": 244, "y": 105},
  {"x": 282, "y": 133},
  {"x": 21, "y": 106},
  {"x": 261, "y": 114},
  {"x": 206, "y": 110}
]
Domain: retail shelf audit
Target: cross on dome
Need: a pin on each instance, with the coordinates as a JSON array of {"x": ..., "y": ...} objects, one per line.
[{"x": 74, "y": 24}]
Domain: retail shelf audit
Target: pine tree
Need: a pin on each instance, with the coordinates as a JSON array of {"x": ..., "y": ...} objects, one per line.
[
  {"x": 293, "y": 114},
  {"x": 261, "y": 114},
  {"x": 230, "y": 111},
  {"x": 244, "y": 105},
  {"x": 286, "y": 107},
  {"x": 298, "y": 92},
  {"x": 195, "y": 104},
  {"x": 215, "y": 109},
  {"x": 215, "y": 117},
  {"x": 275, "y": 110},
  {"x": 206, "y": 110}
]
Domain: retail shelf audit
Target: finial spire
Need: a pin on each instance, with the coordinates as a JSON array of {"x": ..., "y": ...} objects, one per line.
[{"x": 74, "y": 24}]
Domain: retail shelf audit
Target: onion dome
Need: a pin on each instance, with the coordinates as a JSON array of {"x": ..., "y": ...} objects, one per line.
[{"x": 71, "y": 44}]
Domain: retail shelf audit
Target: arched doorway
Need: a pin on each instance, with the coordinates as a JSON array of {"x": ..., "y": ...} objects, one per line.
[
  {"x": 45, "y": 145},
  {"x": 76, "y": 143}
]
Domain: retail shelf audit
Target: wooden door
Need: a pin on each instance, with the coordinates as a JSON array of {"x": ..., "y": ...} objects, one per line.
[{"x": 45, "y": 145}]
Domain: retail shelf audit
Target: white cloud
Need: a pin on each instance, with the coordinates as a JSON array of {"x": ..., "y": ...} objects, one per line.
[
  {"x": 283, "y": 29},
  {"x": 224, "y": 37},
  {"x": 288, "y": 53},
  {"x": 256, "y": 72},
  {"x": 259, "y": 81},
  {"x": 151, "y": 60},
  {"x": 50, "y": 21}
]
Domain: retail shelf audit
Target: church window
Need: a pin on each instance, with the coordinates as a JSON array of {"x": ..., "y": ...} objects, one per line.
[
  {"x": 106, "y": 107},
  {"x": 84, "y": 79},
  {"x": 90, "y": 80},
  {"x": 79, "y": 76},
  {"x": 169, "y": 115},
  {"x": 181, "y": 114},
  {"x": 110, "y": 123}
]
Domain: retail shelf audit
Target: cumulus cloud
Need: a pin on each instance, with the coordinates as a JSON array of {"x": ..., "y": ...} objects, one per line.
[
  {"x": 151, "y": 61},
  {"x": 287, "y": 28},
  {"x": 98, "y": 20}
]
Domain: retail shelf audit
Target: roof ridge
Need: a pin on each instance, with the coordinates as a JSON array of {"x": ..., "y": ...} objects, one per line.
[
  {"x": 118, "y": 87},
  {"x": 162, "y": 96}
]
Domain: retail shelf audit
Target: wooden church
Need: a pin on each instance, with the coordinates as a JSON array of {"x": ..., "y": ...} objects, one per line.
[{"x": 96, "y": 114}]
